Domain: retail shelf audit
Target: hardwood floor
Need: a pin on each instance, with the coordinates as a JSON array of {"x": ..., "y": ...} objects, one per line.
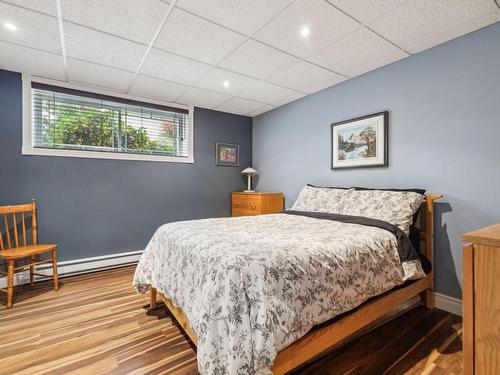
[{"x": 97, "y": 324}]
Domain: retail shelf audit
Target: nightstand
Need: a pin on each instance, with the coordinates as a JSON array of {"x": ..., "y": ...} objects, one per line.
[{"x": 256, "y": 203}]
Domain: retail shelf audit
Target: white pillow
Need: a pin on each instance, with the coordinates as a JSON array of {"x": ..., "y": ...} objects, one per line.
[
  {"x": 314, "y": 199},
  {"x": 395, "y": 207}
]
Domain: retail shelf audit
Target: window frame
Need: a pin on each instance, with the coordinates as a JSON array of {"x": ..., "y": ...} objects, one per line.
[{"x": 28, "y": 149}]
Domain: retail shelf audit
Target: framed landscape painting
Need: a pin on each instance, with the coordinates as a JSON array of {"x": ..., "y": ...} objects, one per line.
[
  {"x": 360, "y": 142},
  {"x": 227, "y": 154}
]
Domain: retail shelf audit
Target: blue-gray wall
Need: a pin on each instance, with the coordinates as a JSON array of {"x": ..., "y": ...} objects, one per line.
[
  {"x": 93, "y": 207},
  {"x": 444, "y": 136}
]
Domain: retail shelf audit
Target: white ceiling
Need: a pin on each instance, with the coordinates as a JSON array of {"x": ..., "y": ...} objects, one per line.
[{"x": 238, "y": 56}]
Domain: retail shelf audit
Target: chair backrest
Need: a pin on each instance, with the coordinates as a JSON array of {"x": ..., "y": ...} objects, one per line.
[{"x": 12, "y": 235}]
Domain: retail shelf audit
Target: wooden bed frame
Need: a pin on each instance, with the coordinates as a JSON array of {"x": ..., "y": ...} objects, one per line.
[{"x": 320, "y": 341}]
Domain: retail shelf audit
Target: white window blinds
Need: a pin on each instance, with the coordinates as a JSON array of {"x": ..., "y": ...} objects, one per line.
[{"x": 67, "y": 119}]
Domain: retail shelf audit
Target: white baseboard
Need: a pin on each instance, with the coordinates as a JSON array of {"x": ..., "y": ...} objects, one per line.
[
  {"x": 447, "y": 303},
  {"x": 78, "y": 266}
]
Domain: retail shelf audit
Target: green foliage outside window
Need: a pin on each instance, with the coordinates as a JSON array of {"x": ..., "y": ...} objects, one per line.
[{"x": 76, "y": 125}]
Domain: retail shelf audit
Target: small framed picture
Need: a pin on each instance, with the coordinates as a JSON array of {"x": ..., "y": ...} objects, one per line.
[
  {"x": 227, "y": 154},
  {"x": 360, "y": 142}
]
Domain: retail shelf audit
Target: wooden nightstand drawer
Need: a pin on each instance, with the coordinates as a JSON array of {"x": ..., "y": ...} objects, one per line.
[{"x": 246, "y": 204}]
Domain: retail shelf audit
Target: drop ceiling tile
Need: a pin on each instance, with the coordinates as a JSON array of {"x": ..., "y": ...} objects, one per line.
[
  {"x": 28, "y": 60},
  {"x": 243, "y": 16},
  {"x": 203, "y": 98},
  {"x": 194, "y": 37},
  {"x": 367, "y": 10},
  {"x": 215, "y": 79},
  {"x": 240, "y": 106},
  {"x": 469, "y": 26},
  {"x": 286, "y": 100},
  {"x": 269, "y": 94},
  {"x": 356, "y": 49},
  {"x": 149, "y": 87},
  {"x": 369, "y": 65},
  {"x": 478, "y": 23},
  {"x": 98, "y": 75},
  {"x": 173, "y": 68},
  {"x": 323, "y": 85},
  {"x": 412, "y": 28},
  {"x": 93, "y": 46},
  {"x": 33, "y": 29},
  {"x": 131, "y": 19},
  {"x": 43, "y": 6},
  {"x": 325, "y": 22},
  {"x": 303, "y": 75},
  {"x": 258, "y": 60},
  {"x": 260, "y": 111}
]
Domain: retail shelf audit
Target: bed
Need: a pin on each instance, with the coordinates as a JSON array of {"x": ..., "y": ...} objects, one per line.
[{"x": 256, "y": 294}]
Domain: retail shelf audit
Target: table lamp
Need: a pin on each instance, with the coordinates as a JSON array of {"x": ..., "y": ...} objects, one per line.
[{"x": 249, "y": 172}]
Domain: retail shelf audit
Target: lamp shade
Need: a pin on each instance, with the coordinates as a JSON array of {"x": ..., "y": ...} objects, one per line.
[{"x": 249, "y": 170}]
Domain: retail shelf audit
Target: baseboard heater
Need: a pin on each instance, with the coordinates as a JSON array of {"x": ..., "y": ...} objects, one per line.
[{"x": 79, "y": 266}]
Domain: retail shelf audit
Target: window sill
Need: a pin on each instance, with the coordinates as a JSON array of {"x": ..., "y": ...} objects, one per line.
[{"x": 104, "y": 155}]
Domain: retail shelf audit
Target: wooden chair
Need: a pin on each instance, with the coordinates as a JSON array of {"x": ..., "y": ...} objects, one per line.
[{"x": 22, "y": 250}]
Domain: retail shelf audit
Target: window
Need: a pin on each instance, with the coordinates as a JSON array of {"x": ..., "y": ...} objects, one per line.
[{"x": 68, "y": 122}]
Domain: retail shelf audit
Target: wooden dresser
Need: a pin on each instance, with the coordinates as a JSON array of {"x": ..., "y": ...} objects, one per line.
[
  {"x": 481, "y": 301},
  {"x": 246, "y": 204}
]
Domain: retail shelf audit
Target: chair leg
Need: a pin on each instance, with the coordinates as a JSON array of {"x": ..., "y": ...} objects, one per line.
[
  {"x": 54, "y": 270},
  {"x": 10, "y": 284},
  {"x": 32, "y": 270}
]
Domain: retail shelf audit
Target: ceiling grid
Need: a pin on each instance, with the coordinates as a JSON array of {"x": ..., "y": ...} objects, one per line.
[{"x": 240, "y": 57}]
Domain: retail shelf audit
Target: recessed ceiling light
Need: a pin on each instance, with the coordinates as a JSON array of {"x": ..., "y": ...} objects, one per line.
[
  {"x": 305, "y": 32},
  {"x": 225, "y": 84},
  {"x": 10, "y": 26}
]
